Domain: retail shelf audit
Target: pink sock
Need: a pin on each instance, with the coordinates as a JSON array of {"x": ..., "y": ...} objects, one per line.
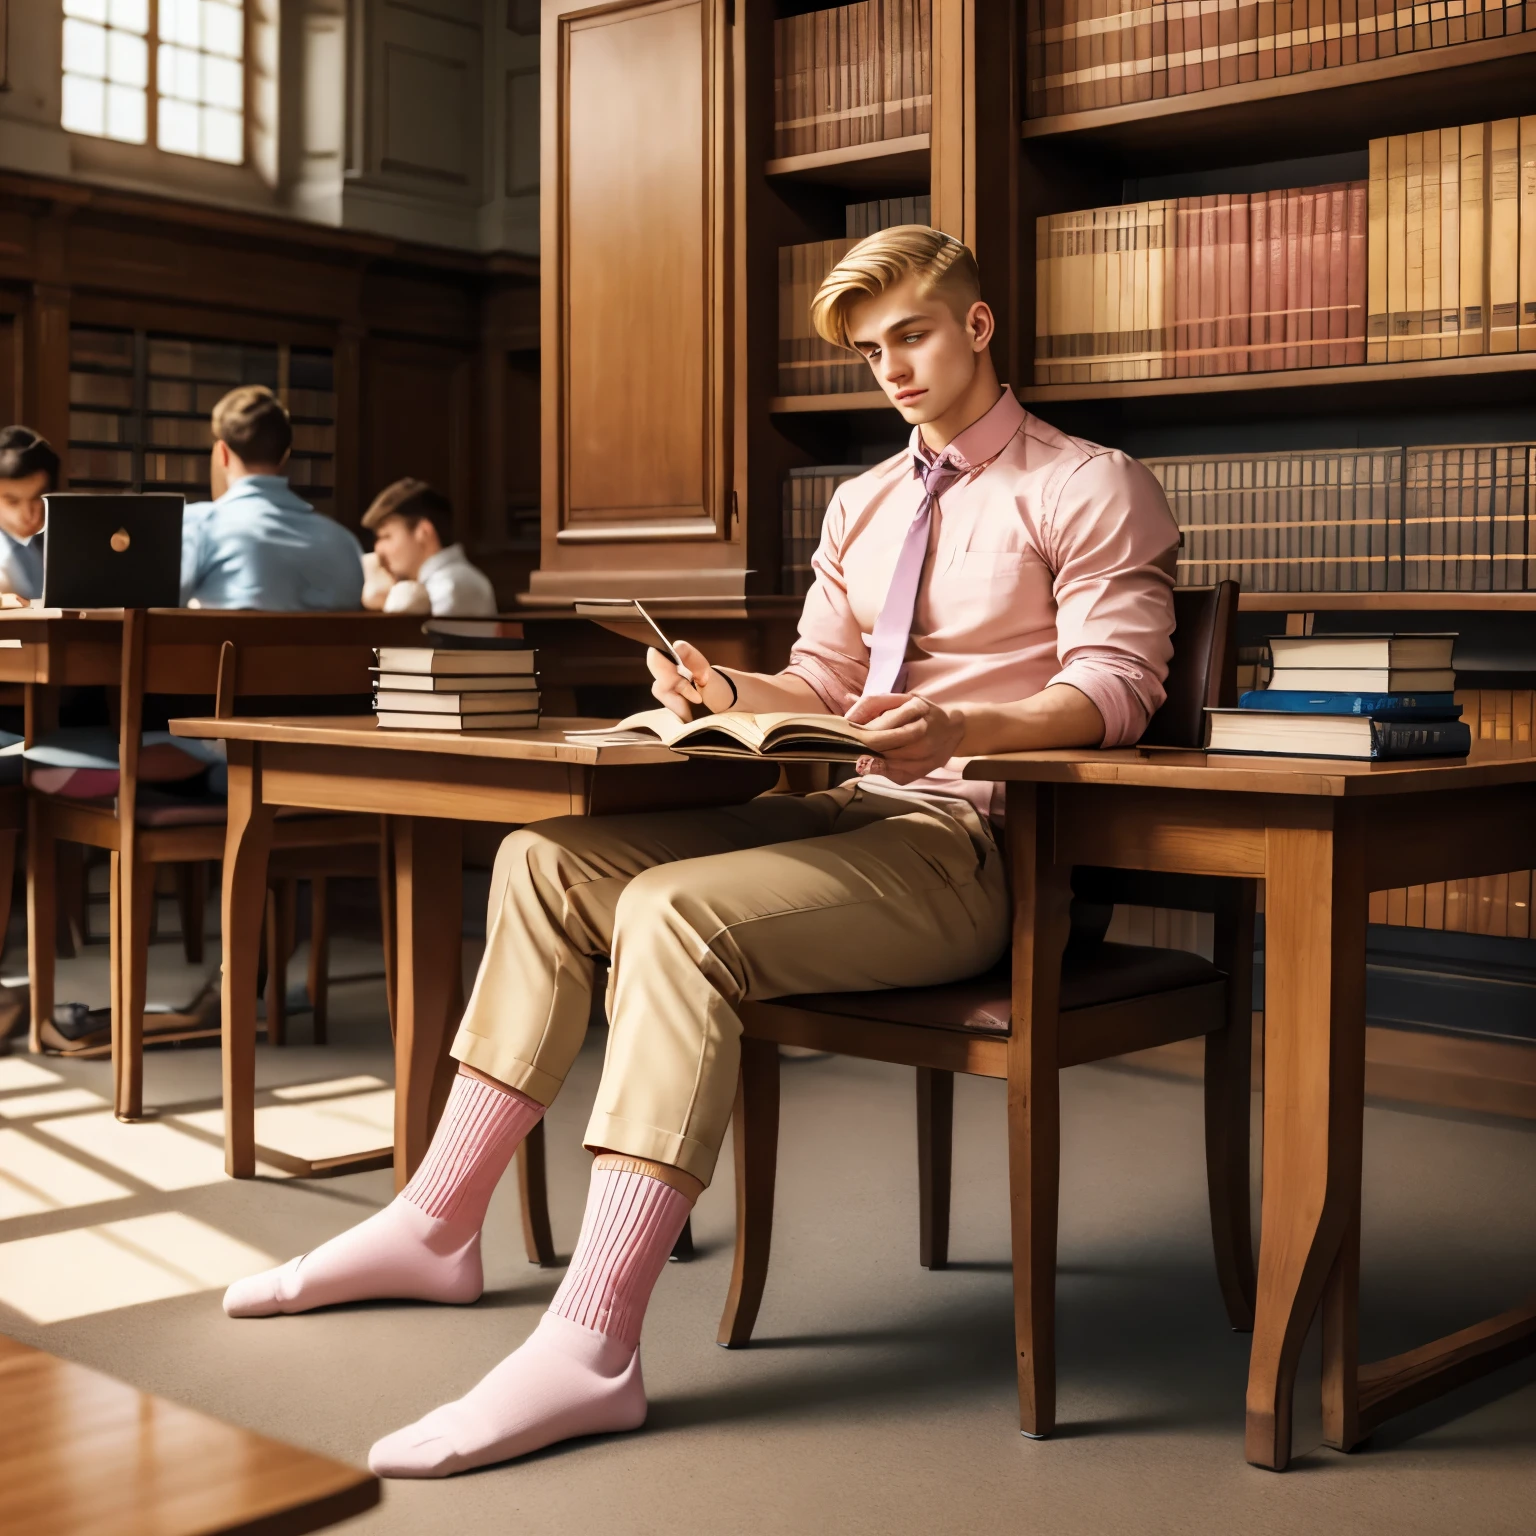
[
  {"x": 425, "y": 1244},
  {"x": 579, "y": 1371}
]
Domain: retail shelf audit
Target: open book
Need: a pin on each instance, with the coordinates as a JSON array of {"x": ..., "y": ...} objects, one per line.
[{"x": 794, "y": 738}]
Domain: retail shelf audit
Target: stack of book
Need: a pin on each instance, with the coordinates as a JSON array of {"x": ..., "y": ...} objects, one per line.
[
  {"x": 1081, "y": 56},
  {"x": 434, "y": 688},
  {"x": 1453, "y": 242},
  {"x": 1435, "y": 518},
  {"x": 806, "y": 495},
  {"x": 1355, "y": 696},
  {"x": 852, "y": 74},
  {"x": 1179, "y": 287}
]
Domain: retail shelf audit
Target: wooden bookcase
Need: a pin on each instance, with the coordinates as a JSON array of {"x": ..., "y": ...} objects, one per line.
[{"x": 676, "y": 271}]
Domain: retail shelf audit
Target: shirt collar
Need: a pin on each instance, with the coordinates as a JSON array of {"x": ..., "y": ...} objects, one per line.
[
  {"x": 980, "y": 442},
  {"x": 268, "y": 487},
  {"x": 453, "y": 555}
]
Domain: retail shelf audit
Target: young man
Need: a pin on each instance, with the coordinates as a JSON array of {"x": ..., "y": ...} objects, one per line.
[
  {"x": 997, "y": 586},
  {"x": 28, "y": 469},
  {"x": 256, "y": 544},
  {"x": 412, "y": 527}
]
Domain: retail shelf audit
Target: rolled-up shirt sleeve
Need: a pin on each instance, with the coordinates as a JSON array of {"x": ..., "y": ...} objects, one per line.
[
  {"x": 830, "y": 655},
  {"x": 1113, "y": 544}
]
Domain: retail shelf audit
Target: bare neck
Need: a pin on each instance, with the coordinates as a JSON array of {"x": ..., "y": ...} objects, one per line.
[{"x": 980, "y": 396}]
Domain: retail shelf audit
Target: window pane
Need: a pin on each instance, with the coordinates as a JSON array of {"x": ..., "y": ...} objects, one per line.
[
  {"x": 223, "y": 82},
  {"x": 223, "y": 29},
  {"x": 125, "y": 114},
  {"x": 127, "y": 59},
  {"x": 85, "y": 49},
  {"x": 87, "y": 10},
  {"x": 131, "y": 15},
  {"x": 177, "y": 129},
  {"x": 178, "y": 22},
  {"x": 223, "y": 136},
  {"x": 178, "y": 72},
  {"x": 85, "y": 105}
]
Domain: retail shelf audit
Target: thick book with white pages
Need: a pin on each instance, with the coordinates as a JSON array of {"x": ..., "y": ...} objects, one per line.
[
  {"x": 425, "y": 682},
  {"x": 414, "y": 720},
  {"x": 455, "y": 703},
  {"x": 435, "y": 661},
  {"x": 1400, "y": 652},
  {"x": 1284, "y": 733},
  {"x": 1290, "y": 679},
  {"x": 784, "y": 737}
]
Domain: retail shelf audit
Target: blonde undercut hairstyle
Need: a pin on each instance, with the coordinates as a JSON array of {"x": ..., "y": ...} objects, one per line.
[
  {"x": 942, "y": 264},
  {"x": 254, "y": 424}
]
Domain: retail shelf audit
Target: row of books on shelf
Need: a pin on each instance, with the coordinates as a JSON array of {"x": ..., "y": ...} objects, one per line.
[
  {"x": 1080, "y": 56},
  {"x": 447, "y": 688},
  {"x": 1350, "y": 696},
  {"x": 1431, "y": 518},
  {"x": 1180, "y": 287},
  {"x": 807, "y": 364},
  {"x": 1453, "y": 242},
  {"x": 114, "y": 466},
  {"x": 1433, "y": 256},
  {"x": 852, "y": 74}
]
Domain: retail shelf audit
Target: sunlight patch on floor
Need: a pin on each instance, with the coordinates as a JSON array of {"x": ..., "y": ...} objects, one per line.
[
  {"x": 316, "y": 1130},
  {"x": 329, "y": 1089},
  {"x": 155, "y": 1154},
  {"x": 16, "y": 1073},
  {"x": 34, "y": 1179},
  {"x": 57, "y": 1101},
  {"x": 121, "y": 1264}
]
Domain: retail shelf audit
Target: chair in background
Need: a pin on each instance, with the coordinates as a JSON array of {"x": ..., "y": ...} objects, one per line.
[
  {"x": 188, "y": 652},
  {"x": 1112, "y": 999}
]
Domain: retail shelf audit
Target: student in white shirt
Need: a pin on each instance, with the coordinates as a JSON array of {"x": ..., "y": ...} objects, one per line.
[
  {"x": 28, "y": 469},
  {"x": 419, "y": 567}
]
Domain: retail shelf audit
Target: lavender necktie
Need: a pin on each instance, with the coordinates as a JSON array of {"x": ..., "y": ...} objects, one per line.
[{"x": 888, "y": 644}]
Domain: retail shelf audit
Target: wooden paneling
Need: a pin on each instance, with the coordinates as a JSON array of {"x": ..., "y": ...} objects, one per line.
[{"x": 635, "y": 452}]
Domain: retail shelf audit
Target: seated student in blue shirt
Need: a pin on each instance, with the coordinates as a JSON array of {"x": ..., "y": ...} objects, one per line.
[
  {"x": 257, "y": 545},
  {"x": 28, "y": 469}
]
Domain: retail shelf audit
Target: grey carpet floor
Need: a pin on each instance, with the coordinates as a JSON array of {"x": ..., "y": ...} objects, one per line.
[{"x": 878, "y": 1397}]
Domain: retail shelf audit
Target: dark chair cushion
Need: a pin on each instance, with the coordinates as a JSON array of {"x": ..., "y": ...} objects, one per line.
[{"x": 1091, "y": 975}]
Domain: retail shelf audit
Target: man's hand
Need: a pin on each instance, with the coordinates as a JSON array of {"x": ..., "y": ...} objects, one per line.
[
  {"x": 695, "y": 683},
  {"x": 911, "y": 736}
]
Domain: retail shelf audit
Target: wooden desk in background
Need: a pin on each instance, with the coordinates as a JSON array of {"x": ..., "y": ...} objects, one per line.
[
  {"x": 1322, "y": 835},
  {"x": 426, "y": 782},
  {"x": 83, "y": 1453}
]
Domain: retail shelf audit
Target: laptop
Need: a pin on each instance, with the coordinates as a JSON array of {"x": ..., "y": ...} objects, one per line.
[{"x": 112, "y": 551}]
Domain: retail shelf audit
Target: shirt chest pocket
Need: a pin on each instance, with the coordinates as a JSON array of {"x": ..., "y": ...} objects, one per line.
[{"x": 976, "y": 589}]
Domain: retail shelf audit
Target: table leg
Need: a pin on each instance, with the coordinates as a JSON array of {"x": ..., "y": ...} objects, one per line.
[
  {"x": 429, "y": 980},
  {"x": 247, "y": 844},
  {"x": 1314, "y": 1100}
]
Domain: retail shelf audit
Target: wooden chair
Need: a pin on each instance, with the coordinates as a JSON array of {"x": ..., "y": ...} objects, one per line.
[
  {"x": 190, "y": 652},
  {"x": 1113, "y": 998}
]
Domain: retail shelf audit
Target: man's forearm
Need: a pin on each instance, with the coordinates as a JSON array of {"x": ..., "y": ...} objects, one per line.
[
  {"x": 761, "y": 693},
  {"x": 1058, "y": 716}
]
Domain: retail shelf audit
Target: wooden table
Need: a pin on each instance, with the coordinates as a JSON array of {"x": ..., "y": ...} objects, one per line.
[
  {"x": 1322, "y": 835},
  {"x": 83, "y": 1453},
  {"x": 426, "y": 782}
]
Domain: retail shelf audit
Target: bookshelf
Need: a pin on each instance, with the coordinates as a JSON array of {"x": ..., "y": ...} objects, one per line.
[{"x": 140, "y": 404}]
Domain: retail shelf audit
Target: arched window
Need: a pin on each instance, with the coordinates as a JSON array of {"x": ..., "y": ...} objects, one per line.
[{"x": 178, "y": 65}]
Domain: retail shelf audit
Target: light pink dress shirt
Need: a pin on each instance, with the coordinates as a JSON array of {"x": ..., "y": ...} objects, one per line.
[{"x": 1049, "y": 563}]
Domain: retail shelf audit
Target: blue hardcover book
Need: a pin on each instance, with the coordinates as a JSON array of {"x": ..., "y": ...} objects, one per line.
[{"x": 1379, "y": 706}]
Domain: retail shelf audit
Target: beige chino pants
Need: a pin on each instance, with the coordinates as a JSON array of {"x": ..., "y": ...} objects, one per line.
[{"x": 846, "y": 890}]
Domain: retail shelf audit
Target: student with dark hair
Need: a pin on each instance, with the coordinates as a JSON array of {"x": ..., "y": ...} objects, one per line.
[
  {"x": 28, "y": 469},
  {"x": 412, "y": 527},
  {"x": 256, "y": 544}
]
